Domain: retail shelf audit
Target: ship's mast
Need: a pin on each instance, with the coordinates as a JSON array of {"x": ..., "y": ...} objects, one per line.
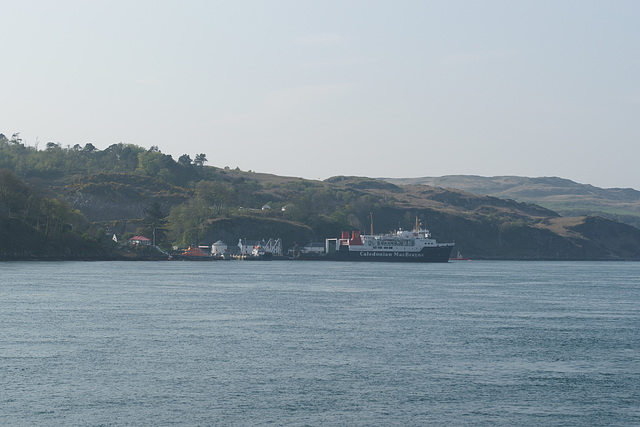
[
  {"x": 416, "y": 229},
  {"x": 371, "y": 216}
]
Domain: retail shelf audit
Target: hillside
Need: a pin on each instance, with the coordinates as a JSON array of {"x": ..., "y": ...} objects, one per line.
[
  {"x": 34, "y": 226},
  {"x": 483, "y": 227},
  {"x": 564, "y": 196},
  {"x": 111, "y": 190}
]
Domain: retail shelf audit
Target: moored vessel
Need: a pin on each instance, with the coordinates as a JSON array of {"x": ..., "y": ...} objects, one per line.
[
  {"x": 459, "y": 257},
  {"x": 401, "y": 246},
  {"x": 192, "y": 254}
]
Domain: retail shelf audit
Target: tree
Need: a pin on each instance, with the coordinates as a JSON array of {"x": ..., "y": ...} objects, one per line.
[
  {"x": 187, "y": 221},
  {"x": 185, "y": 160},
  {"x": 150, "y": 162},
  {"x": 15, "y": 139},
  {"x": 154, "y": 223},
  {"x": 13, "y": 193},
  {"x": 200, "y": 160}
]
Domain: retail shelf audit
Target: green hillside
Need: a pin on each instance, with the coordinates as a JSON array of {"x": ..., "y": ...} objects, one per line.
[
  {"x": 112, "y": 192},
  {"x": 34, "y": 226}
]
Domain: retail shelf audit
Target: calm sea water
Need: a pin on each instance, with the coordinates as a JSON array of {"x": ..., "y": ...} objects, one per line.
[{"x": 303, "y": 343}]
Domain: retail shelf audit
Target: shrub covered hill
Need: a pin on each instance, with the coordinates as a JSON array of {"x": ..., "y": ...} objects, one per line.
[
  {"x": 111, "y": 191},
  {"x": 36, "y": 226}
]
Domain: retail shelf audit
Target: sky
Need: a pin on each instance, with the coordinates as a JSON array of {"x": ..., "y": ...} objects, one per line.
[{"x": 315, "y": 89}]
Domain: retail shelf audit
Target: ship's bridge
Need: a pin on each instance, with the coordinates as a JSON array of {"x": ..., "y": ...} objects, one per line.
[{"x": 420, "y": 234}]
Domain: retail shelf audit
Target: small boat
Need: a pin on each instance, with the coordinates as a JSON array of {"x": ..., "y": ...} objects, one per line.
[
  {"x": 193, "y": 254},
  {"x": 459, "y": 257},
  {"x": 259, "y": 254}
]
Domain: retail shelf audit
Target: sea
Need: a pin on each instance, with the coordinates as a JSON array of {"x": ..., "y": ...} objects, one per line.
[{"x": 303, "y": 343}]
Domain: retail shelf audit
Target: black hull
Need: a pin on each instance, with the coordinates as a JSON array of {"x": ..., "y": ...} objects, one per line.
[
  {"x": 263, "y": 257},
  {"x": 431, "y": 254},
  {"x": 191, "y": 258}
]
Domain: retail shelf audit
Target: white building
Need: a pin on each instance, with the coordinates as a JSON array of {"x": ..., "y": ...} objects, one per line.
[{"x": 219, "y": 248}]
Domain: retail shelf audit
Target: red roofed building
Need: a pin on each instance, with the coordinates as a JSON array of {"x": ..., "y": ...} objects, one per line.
[{"x": 139, "y": 241}]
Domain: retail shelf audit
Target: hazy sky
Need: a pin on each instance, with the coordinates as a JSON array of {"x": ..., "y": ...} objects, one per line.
[{"x": 322, "y": 88}]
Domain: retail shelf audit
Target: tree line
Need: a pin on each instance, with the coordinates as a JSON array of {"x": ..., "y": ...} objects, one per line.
[{"x": 56, "y": 161}]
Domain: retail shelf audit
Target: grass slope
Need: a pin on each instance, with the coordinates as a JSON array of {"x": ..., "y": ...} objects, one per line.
[{"x": 564, "y": 196}]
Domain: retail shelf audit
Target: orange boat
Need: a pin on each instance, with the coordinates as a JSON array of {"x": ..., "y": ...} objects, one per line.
[{"x": 193, "y": 254}]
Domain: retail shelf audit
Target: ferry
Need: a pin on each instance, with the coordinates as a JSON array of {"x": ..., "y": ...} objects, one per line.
[{"x": 401, "y": 246}]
